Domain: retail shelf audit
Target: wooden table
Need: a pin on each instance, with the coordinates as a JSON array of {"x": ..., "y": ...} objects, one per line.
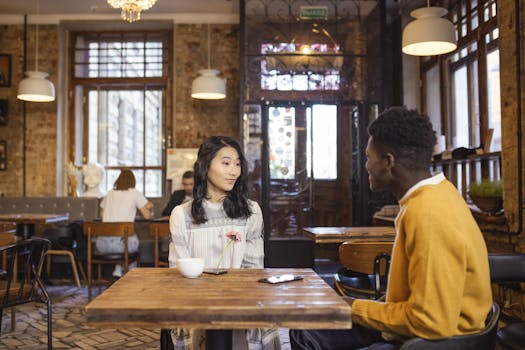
[
  {"x": 163, "y": 298},
  {"x": 328, "y": 239},
  {"x": 322, "y": 235},
  {"x": 25, "y": 222}
]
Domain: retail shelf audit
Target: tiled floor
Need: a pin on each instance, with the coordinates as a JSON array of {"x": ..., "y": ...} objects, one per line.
[{"x": 69, "y": 327}]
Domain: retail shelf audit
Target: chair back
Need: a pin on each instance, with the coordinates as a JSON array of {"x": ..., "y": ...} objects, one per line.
[
  {"x": 99, "y": 228},
  {"x": 507, "y": 268},
  {"x": 159, "y": 229},
  {"x": 361, "y": 256},
  {"x": 61, "y": 237},
  {"x": 7, "y": 238},
  {"x": 94, "y": 229},
  {"x": 21, "y": 283},
  {"x": 483, "y": 340}
]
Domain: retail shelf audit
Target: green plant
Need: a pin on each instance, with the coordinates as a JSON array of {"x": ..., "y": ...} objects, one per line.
[{"x": 486, "y": 188}]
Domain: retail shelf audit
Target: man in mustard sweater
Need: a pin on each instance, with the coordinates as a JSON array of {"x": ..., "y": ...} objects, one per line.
[{"x": 439, "y": 283}]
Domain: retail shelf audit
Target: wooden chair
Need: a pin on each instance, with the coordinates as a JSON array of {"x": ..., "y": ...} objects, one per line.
[
  {"x": 159, "y": 230},
  {"x": 365, "y": 268},
  {"x": 92, "y": 230},
  {"x": 63, "y": 242},
  {"x": 21, "y": 284}
]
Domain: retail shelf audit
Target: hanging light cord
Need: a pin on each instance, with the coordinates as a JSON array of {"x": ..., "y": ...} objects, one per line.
[
  {"x": 36, "y": 40},
  {"x": 209, "y": 46}
]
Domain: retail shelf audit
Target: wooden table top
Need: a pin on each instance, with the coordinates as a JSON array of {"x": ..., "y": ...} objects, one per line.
[
  {"x": 343, "y": 234},
  {"x": 163, "y": 298},
  {"x": 29, "y": 218}
]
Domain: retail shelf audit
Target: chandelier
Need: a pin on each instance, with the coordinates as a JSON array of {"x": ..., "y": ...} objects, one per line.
[{"x": 131, "y": 8}]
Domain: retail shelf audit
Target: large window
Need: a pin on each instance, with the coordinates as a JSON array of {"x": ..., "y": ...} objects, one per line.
[
  {"x": 469, "y": 79},
  {"x": 122, "y": 79}
]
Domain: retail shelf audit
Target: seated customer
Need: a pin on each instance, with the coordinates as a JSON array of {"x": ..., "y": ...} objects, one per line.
[
  {"x": 205, "y": 228},
  {"x": 120, "y": 205},
  {"x": 181, "y": 196},
  {"x": 439, "y": 284}
]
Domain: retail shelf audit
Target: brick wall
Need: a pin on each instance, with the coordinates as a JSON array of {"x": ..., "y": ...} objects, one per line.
[
  {"x": 40, "y": 117},
  {"x": 194, "y": 120}
]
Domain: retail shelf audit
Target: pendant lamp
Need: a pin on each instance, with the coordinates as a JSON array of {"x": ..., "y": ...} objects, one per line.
[
  {"x": 35, "y": 87},
  {"x": 429, "y": 34},
  {"x": 208, "y": 86}
]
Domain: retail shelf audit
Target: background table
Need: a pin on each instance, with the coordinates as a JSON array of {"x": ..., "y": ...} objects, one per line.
[
  {"x": 162, "y": 298},
  {"x": 328, "y": 239},
  {"x": 323, "y": 235},
  {"x": 25, "y": 223}
]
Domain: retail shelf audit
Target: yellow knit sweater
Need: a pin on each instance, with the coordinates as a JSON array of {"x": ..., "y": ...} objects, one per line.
[{"x": 439, "y": 283}]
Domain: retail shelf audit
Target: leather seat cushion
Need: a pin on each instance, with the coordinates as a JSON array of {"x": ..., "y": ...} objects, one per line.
[{"x": 512, "y": 336}]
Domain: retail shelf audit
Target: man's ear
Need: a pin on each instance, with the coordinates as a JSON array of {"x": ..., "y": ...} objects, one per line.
[{"x": 390, "y": 160}]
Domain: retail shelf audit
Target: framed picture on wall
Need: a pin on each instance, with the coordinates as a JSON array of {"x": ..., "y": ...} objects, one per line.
[
  {"x": 5, "y": 70},
  {"x": 3, "y": 155},
  {"x": 3, "y": 111}
]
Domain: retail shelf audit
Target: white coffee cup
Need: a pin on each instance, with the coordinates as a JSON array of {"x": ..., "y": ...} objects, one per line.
[{"x": 190, "y": 267}]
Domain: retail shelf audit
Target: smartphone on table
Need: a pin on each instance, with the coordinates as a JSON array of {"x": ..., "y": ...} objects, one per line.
[{"x": 281, "y": 279}]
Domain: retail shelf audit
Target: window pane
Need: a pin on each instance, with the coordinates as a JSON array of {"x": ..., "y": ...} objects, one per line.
[
  {"x": 461, "y": 123},
  {"x": 493, "y": 92},
  {"x": 475, "y": 125},
  {"x": 117, "y": 132},
  {"x": 153, "y": 183},
  {"x": 119, "y": 55},
  {"x": 153, "y": 136},
  {"x": 300, "y": 67},
  {"x": 322, "y": 135},
  {"x": 433, "y": 101},
  {"x": 281, "y": 135}
]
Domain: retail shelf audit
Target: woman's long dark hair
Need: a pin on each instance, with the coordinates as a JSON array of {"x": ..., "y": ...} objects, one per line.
[{"x": 236, "y": 202}]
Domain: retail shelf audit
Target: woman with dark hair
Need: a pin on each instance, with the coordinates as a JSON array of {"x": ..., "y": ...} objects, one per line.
[
  {"x": 120, "y": 205},
  {"x": 221, "y": 226}
]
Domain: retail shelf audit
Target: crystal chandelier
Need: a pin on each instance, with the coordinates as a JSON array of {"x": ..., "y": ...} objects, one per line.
[{"x": 131, "y": 8}]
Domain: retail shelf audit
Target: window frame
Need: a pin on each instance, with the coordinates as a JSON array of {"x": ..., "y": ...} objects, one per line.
[
  {"x": 447, "y": 68},
  {"x": 78, "y": 128}
]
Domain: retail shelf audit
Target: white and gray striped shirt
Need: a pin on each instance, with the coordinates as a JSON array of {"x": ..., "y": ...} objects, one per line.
[{"x": 209, "y": 240}]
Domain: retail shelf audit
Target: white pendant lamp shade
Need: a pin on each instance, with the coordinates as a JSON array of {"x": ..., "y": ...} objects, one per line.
[
  {"x": 36, "y": 88},
  {"x": 208, "y": 86},
  {"x": 429, "y": 34}
]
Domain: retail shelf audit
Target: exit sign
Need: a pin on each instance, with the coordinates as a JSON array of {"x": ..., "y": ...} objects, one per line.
[{"x": 313, "y": 12}]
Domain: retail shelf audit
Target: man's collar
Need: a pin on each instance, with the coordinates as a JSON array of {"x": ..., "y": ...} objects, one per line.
[{"x": 433, "y": 180}]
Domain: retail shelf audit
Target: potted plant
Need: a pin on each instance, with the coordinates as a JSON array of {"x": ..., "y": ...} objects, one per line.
[{"x": 487, "y": 195}]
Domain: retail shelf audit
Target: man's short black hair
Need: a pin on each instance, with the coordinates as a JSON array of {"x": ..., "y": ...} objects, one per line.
[
  {"x": 407, "y": 134},
  {"x": 187, "y": 175}
]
